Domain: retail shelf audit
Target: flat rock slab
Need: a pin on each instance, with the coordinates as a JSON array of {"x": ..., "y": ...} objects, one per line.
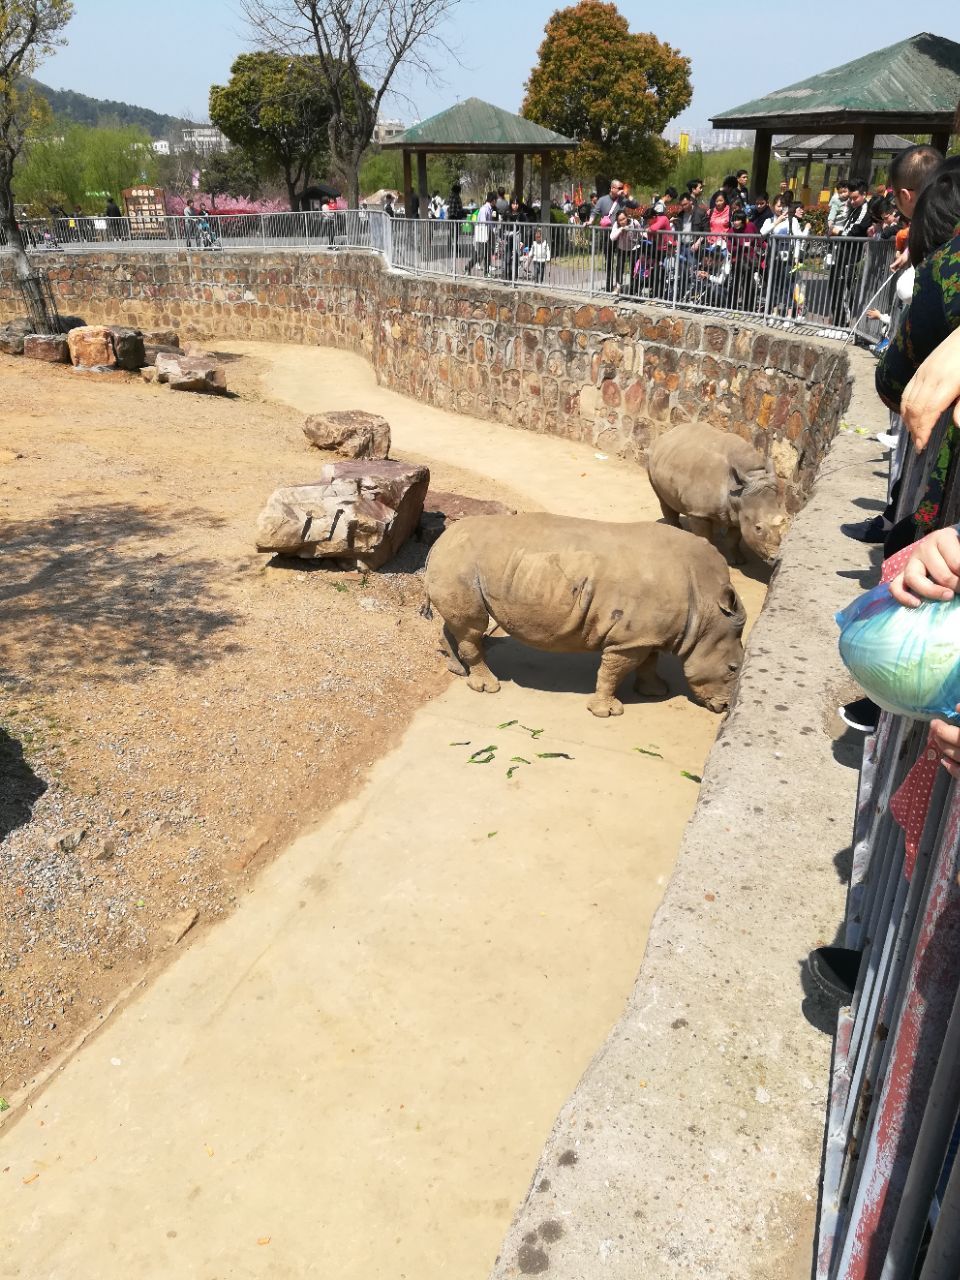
[
  {"x": 360, "y": 511},
  {"x": 350, "y": 432},
  {"x": 91, "y": 346},
  {"x": 191, "y": 373},
  {"x": 51, "y": 347},
  {"x": 161, "y": 338}
]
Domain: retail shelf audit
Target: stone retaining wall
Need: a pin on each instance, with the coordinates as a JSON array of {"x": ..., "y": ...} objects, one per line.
[{"x": 617, "y": 376}]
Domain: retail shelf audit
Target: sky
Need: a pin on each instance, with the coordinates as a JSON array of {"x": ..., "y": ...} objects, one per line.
[{"x": 738, "y": 53}]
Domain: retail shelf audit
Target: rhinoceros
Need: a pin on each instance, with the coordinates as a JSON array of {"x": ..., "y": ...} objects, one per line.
[
  {"x": 571, "y": 586},
  {"x": 722, "y": 485}
]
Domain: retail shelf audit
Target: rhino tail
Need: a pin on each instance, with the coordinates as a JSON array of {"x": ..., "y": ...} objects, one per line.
[{"x": 425, "y": 610}]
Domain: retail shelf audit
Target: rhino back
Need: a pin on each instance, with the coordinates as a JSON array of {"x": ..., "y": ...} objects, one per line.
[
  {"x": 691, "y": 468},
  {"x": 566, "y": 584}
]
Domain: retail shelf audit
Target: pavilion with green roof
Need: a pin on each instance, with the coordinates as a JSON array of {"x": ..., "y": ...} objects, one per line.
[
  {"x": 474, "y": 126},
  {"x": 911, "y": 87}
]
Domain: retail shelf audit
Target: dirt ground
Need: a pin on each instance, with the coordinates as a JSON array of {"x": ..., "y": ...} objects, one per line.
[
  {"x": 174, "y": 706},
  {"x": 167, "y": 697}
]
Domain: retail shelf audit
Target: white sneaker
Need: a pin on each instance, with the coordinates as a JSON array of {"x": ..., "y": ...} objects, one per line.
[{"x": 886, "y": 439}]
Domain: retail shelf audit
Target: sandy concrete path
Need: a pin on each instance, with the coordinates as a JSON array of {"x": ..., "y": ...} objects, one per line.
[{"x": 353, "y": 1076}]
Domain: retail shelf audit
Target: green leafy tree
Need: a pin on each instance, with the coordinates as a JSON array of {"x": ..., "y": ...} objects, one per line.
[
  {"x": 232, "y": 173},
  {"x": 276, "y": 107},
  {"x": 29, "y": 30},
  {"x": 612, "y": 89},
  {"x": 77, "y": 165}
]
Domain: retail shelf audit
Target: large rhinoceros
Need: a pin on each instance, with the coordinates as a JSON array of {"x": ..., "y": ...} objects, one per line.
[
  {"x": 722, "y": 485},
  {"x": 569, "y": 586}
]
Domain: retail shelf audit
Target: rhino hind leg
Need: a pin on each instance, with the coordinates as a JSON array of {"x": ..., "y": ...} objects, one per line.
[
  {"x": 449, "y": 646},
  {"x": 647, "y": 683},
  {"x": 469, "y": 645},
  {"x": 613, "y": 668},
  {"x": 670, "y": 516}
]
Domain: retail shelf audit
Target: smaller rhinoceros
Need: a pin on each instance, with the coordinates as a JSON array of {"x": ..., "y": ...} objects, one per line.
[
  {"x": 565, "y": 585},
  {"x": 722, "y": 485}
]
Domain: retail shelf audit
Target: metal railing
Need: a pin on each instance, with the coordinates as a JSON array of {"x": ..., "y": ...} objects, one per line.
[
  {"x": 890, "y": 1202},
  {"x": 811, "y": 283}
]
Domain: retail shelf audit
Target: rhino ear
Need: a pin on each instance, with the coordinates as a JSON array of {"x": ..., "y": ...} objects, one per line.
[
  {"x": 737, "y": 483},
  {"x": 729, "y": 602}
]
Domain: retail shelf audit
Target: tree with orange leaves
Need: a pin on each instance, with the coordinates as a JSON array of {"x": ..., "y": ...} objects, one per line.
[{"x": 613, "y": 89}]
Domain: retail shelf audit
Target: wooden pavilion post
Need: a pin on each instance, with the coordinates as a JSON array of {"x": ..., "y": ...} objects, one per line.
[
  {"x": 422, "y": 183},
  {"x": 761, "y": 160},
  {"x": 940, "y": 140},
  {"x": 545, "y": 174},
  {"x": 518, "y": 175},
  {"x": 861, "y": 161},
  {"x": 407, "y": 181}
]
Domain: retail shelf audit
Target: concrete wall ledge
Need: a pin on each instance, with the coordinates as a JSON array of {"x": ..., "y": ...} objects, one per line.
[{"x": 691, "y": 1146}]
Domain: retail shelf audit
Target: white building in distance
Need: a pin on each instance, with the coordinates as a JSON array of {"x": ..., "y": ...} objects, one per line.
[{"x": 205, "y": 139}]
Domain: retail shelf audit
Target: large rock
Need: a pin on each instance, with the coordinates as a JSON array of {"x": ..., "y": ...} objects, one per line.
[
  {"x": 350, "y": 432},
  {"x": 128, "y": 348},
  {"x": 361, "y": 512},
  {"x": 52, "y": 347},
  {"x": 11, "y": 341},
  {"x": 161, "y": 338},
  {"x": 191, "y": 373},
  {"x": 91, "y": 346},
  {"x": 153, "y": 349}
]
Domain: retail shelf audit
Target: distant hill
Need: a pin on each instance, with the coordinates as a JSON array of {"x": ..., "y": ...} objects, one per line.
[{"x": 80, "y": 109}]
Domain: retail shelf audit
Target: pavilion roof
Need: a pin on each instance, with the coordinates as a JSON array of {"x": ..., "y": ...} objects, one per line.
[
  {"x": 836, "y": 144},
  {"x": 474, "y": 125},
  {"x": 914, "y": 81}
]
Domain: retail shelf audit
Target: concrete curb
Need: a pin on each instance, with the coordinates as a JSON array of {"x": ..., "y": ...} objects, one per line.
[{"x": 691, "y": 1147}]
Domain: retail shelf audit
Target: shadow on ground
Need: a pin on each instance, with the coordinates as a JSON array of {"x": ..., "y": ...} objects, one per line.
[
  {"x": 93, "y": 588},
  {"x": 509, "y": 659},
  {"x": 20, "y": 787}
]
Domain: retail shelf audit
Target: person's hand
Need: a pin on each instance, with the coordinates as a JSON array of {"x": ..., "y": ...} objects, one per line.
[
  {"x": 901, "y": 260},
  {"x": 945, "y": 738},
  {"x": 874, "y": 314},
  {"x": 932, "y": 390},
  {"x": 932, "y": 572}
]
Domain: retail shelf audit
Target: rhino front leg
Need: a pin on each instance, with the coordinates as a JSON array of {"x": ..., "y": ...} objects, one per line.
[
  {"x": 701, "y": 526},
  {"x": 469, "y": 645},
  {"x": 731, "y": 544},
  {"x": 613, "y": 668},
  {"x": 647, "y": 682}
]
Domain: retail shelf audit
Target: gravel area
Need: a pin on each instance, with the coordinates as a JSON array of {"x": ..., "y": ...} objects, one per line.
[{"x": 173, "y": 706}]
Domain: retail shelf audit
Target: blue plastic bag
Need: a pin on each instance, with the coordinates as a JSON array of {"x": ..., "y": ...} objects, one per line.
[{"x": 907, "y": 660}]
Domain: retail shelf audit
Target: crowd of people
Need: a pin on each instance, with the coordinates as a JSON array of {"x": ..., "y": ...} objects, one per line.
[
  {"x": 918, "y": 379},
  {"x": 735, "y": 250}
]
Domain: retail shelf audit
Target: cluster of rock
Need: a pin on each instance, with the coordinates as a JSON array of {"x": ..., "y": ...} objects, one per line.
[
  {"x": 359, "y": 513},
  {"x": 105, "y": 348}
]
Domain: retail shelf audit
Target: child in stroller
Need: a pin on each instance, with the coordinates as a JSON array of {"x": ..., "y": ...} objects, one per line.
[{"x": 206, "y": 232}]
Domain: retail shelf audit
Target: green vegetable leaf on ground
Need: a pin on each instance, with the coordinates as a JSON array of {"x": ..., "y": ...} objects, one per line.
[
  {"x": 483, "y": 756},
  {"x": 518, "y": 760},
  {"x": 460, "y": 744},
  {"x": 553, "y": 755},
  {"x": 694, "y": 777},
  {"x": 506, "y": 724},
  {"x": 645, "y": 752}
]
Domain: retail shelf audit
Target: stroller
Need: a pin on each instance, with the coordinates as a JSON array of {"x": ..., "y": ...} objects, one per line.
[{"x": 207, "y": 237}]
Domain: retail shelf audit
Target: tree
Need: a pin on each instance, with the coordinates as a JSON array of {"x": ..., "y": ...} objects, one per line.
[
  {"x": 277, "y": 109},
  {"x": 361, "y": 47},
  {"x": 29, "y": 30},
  {"x": 613, "y": 89},
  {"x": 76, "y": 165},
  {"x": 231, "y": 173}
]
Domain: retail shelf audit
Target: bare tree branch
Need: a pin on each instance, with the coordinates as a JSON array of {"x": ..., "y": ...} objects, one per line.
[{"x": 362, "y": 47}]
